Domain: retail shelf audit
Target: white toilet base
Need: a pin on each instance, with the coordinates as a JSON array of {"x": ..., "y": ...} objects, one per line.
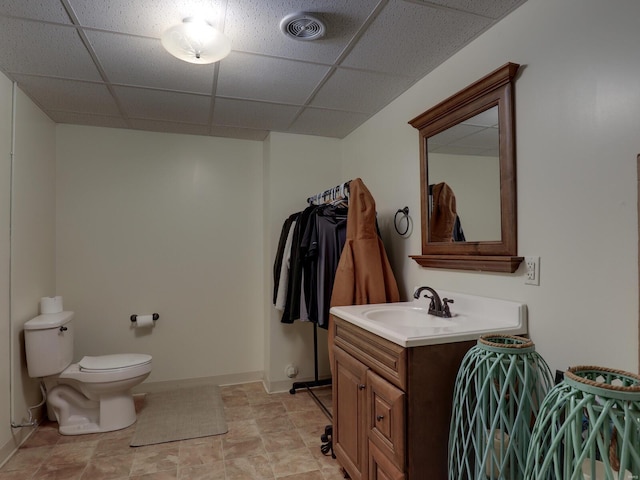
[{"x": 77, "y": 415}]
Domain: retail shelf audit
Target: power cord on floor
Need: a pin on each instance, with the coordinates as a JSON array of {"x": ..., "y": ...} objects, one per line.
[{"x": 327, "y": 447}]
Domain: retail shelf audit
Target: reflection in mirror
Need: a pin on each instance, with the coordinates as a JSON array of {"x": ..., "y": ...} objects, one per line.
[
  {"x": 465, "y": 160},
  {"x": 467, "y": 177}
]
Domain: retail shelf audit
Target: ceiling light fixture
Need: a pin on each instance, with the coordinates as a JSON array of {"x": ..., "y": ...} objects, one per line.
[{"x": 196, "y": 41}]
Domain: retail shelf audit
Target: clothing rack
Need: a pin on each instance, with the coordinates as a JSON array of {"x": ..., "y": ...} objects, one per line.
[
  {"x": 316, "y": 382},
  {"x": 337, "y": 193}
]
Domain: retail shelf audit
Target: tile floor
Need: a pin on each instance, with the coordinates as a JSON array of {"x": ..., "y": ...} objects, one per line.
[{"x": 270, "y": 436}]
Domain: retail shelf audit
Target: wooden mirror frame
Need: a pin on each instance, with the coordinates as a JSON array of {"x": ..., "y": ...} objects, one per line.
[{"x": 494, "y": 256}]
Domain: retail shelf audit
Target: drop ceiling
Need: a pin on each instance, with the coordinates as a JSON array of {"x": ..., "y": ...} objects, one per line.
[
  {"x": 478, "y": 135},
  {"x": 101, "y": 63}
]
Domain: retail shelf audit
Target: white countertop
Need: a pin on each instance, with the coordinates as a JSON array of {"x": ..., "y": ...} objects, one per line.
[{"x": 408, "y": 324}]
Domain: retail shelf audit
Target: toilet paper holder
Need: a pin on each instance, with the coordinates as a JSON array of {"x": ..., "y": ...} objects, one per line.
[{"x": 134, "y": 317}]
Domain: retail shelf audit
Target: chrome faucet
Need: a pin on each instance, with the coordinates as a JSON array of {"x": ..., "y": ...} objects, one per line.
[{"x": 437, "y": 307}]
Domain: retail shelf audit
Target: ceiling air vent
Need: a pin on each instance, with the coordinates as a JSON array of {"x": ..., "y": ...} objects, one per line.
[{"x": 302, "y": 26}]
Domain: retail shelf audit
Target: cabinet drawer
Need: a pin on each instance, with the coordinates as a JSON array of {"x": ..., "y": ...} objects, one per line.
[
  {"x": 386, "y": 358},
  {"x": 386, "y": 418},
  {"x": 380, "y": 468}
]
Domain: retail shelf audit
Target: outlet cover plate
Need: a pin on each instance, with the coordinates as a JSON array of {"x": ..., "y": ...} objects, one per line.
[{"x": 532, "y": 270}]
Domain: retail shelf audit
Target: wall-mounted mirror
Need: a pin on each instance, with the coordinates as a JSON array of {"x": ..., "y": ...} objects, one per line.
[{"x": 467, "y": 178}]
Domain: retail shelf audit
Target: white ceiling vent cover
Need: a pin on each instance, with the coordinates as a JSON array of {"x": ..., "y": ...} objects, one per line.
[{"x": 302, "y": 26}]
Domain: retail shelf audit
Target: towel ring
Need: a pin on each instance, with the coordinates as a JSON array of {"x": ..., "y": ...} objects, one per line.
[{"x": 405, "y": 214}]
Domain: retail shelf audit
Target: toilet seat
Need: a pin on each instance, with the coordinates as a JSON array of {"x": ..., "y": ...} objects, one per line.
[
  {"x": 112, "y": 362},
  {"x": 108, "y": 368}
]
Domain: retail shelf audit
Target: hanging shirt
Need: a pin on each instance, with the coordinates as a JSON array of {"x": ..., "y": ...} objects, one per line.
[
  {"x": 281, "y": 296},
  {"x": 277, "y": 264},
  {"x": 327, "y": 243},
  {"x": 294, "y": 283},
  {"x": 307, "y": 292}
]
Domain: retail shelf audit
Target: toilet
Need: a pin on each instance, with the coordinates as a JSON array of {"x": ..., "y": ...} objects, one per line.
[{"x": 91, "y": 396}]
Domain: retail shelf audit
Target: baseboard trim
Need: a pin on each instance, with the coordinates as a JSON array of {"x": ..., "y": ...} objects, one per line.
[
  {"x": 286, "y": 385},
  {"x": 278, "y": 386},
  {"x": 19, "y": 436},
  {"x": 231, "y": 379}
]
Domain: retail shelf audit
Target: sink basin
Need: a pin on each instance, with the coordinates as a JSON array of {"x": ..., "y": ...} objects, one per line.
[
  {"x": 409, "y": 324},
  {"x": 404, "y": 316}
]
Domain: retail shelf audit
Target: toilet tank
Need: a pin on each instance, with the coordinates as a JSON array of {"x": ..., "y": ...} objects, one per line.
[{"x": 48, "y": 340}]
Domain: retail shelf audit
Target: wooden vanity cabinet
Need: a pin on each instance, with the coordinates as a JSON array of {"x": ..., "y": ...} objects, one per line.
[
  {"x": 349, "y": 378},
  {"x": 392, "y": 405}
]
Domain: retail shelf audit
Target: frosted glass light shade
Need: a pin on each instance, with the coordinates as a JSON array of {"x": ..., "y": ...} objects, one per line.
[{"x": 196, "y": 41}]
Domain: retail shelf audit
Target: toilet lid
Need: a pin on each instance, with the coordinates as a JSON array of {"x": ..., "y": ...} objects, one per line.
[{"x": 111, "y": 362}]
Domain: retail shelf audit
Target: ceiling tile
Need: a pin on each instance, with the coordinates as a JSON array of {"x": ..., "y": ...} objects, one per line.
[
  {"x": 484, "y": 138},
  {"x": 372, "y": 51},
  {"x": 262, "y": 116},
  {"x": 45, "y": 10},
  {"x": 141, "y": 61},
  {"x": 279, "y": 80},
  {"x": 373, "y": 90},
  {"x": 143, "y": 17},
  {"x": 86, "y": 119},
  {"x": 454, "y": 134},
  {"x": 462, "y": 150},
  {"x": 475, "y": 136},
  {"x": 488, "y": 118},
  {"x": 68, "y": 95},
  {"x": 238, "y": 132},
  {"x": 160, "y": 105},
  {"x": 254, "y": 26},
  {"x": 35, "y": 48},
  {"x": 327, "y": 123},
  {"x": 168, "y": 127},
  {"x": 488, "y": 8},
  {"x": 413, "y": 39}
]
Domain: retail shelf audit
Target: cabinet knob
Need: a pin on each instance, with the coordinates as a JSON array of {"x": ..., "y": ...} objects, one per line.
[
  {"x": 362, "y": 386},
  {"x": 379, "y": 417}
]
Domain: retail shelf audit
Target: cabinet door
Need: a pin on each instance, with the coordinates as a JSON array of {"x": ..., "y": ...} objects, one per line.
[
  {"x": 380, "y": 467},
  {"x": 386, "y": 418},
  {"x": 349, "y": 414}
]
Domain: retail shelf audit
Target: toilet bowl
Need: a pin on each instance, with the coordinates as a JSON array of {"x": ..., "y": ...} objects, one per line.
[
  {"x": 90, "y": 399},
  {"x": 91, "y": 396}
]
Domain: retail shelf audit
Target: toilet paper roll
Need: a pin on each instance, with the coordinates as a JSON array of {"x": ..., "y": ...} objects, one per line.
[
  {"x": 143, "y": 321},
  {"x": 50, "y": 305}
]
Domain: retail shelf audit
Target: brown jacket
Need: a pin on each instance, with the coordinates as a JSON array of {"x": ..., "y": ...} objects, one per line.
[
  {"x": 443, "y": 216},
  {"x": 364, "y": 274}
]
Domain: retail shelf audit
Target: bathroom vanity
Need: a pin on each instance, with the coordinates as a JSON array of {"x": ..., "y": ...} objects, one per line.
[{"x": 394, "y": 372}]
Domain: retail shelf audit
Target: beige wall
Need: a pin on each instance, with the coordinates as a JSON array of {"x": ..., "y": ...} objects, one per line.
[
  {"x": 172, "y": 224},
  {"x": 32, "y": 270},
  {"x": 298, "y": 167},
  {"x": 577, "y": 124},
  {"x": 5, "y": 329},
  {"x": 33, "y": 227}
]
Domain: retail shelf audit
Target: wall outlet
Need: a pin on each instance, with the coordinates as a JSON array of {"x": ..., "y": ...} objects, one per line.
[
  {"x": 291, "y": 370},
  {"x": 532, "y": 270}
]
